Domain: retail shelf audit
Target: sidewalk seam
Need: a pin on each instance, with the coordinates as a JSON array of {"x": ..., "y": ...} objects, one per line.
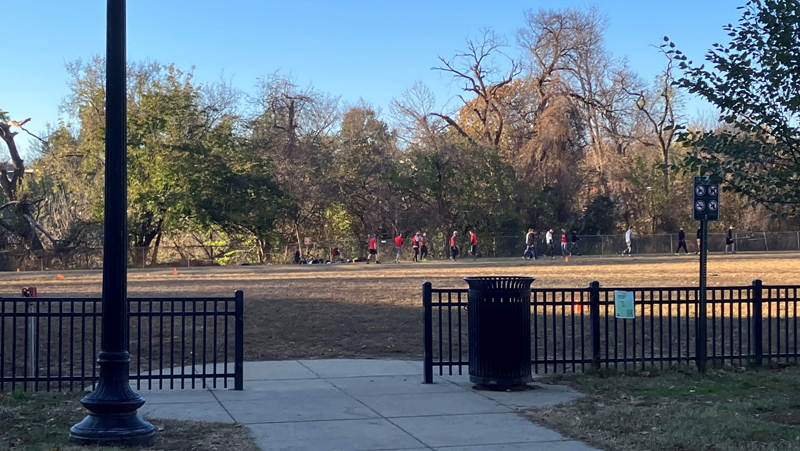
[
  {"x": 379, "y": 415},
  {"x": 235, "y": 421}
]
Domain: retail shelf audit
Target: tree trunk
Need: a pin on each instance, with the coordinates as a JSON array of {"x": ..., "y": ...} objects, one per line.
[{"x": 154, "y": 259}]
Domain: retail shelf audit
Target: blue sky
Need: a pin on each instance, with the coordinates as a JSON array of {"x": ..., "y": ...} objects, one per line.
[{"x": 356, "y": 49}]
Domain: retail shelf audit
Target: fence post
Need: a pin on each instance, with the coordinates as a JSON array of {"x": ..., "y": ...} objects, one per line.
[
  {"x": 238, "y": 379},
  {"x": 594, "y": 312},
  {"x": 31, "y": 339},
  {"x": 427, "y": 320},
  {"x": 758, "y": 342}
]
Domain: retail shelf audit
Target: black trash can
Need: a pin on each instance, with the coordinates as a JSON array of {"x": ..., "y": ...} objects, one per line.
[{"x": 499, "y": 331}]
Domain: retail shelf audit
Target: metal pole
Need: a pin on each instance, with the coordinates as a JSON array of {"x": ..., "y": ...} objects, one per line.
[
  {"x": 594, "y": 313},
  {"x": 702, "y": 348},
  {"x": 113, "y": 405},
  {"x": 238, "y": 382},
  {"x": 427, "y": 333},
  {"x": 31, "y": 338},
  {"x": 758, "y": 324}
]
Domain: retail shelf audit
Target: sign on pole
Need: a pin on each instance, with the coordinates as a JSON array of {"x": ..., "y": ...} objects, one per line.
[
  {"x": 623, "y": 305},
  {"x": 706, "y": 199}
]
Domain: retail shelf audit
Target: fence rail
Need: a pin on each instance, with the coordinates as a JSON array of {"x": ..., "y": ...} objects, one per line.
[
  {"x": 576, "y": 328},
  {"x": 53, "y": 343}
]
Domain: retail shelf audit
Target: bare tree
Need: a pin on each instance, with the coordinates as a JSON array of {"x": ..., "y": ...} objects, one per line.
[
  {"x": 11, "y": 182},
  {"x": 657, "y": 108},
  {"x": 294, "y": 129},
  {"x": 414, "y": 118},
  {"x": 482, "y": 76}
]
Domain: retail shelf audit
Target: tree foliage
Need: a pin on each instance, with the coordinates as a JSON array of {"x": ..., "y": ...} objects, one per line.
[{"x": 754, "y": 80}]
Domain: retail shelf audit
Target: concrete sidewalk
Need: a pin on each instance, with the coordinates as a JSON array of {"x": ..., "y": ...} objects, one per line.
[{"x": 367, "y": 405}]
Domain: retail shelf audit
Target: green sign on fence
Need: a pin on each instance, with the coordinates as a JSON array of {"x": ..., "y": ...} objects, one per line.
[{"x": 623, "y": 305}]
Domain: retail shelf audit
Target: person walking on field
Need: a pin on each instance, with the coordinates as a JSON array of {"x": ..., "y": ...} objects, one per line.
[
  {"x": 423, "y": 247},
  {"x": 453, "y": 246},
  {"x": 398, "y": 245},
  {"x": 681, "y": 242},
  {"x": 415, "y": 246},
  {"x": 729, "y": 243},
  {"x": 549, "y": 240},
  {"x": 473, "y": 245},
  {"x": 373, "y": 249},
  {"x": 564, "y": 250},
  {"x": 530, "y": 246},
  {"x": 628, "y": 242},
  {"x": 573, "y": 248},
  {"x": 699, "y": 239}
]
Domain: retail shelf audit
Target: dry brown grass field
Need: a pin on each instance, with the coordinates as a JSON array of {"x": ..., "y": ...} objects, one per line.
[{"x": 374, "y": 311}]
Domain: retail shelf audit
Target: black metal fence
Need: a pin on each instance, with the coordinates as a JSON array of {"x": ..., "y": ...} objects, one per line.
[
  {"x": 576, "y": 328},
  {"x": 53, "y": 343}
]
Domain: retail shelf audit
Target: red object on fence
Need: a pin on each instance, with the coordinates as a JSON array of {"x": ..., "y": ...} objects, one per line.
[{"x": 29, "y": 292}]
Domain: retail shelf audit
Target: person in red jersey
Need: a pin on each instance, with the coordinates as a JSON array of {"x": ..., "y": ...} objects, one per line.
[
  {"x": 473, "y": 245},
  {"x": 398, "y": 245},
  {"x": 423, "y": 246},
  {"x": 454, "y": 246},
  {"x": 373, "y": 249},
  {"x": 415, "y": 241}
]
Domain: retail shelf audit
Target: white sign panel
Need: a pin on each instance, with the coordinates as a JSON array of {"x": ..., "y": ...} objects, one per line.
[{"x": 623, "y": 305}]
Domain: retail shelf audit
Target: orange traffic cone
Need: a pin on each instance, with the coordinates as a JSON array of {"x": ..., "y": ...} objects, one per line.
[
  {"x": 577, "y": 308},
  {"x": 17, "y": 269},
  {"x": 175, "y": 271},
  {"x": 567, "y": 258},
  {"x": 60, "y": 276}
]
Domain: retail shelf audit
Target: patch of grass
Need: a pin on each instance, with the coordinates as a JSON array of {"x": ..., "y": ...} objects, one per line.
[
  {"x": 732, "y": 409},
  {"x": 41, "y": 422}
]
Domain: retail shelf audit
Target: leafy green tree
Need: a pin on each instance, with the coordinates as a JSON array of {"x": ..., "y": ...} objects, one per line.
[
  {"x": 755, "y": 83},
  {"x": 599, "y": 217},
  {"x": 458, "y": 186},
  {"x": 190, "y": 168},
  {"x": 366, "y": 151}
]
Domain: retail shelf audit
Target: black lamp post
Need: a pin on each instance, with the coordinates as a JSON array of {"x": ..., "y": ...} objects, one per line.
[{"x": 113, "y": 405}]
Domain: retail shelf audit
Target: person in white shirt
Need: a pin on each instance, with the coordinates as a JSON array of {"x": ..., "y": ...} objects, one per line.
[
  {"x": 628, "y": 240},
  {"x": 549, "y": 239}
]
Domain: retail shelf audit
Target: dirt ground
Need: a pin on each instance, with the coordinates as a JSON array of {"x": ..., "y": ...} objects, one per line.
[{"x": 374, "y": 311}]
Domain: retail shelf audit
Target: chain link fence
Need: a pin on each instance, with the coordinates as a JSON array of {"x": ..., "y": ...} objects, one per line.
[{"x": 322, "y": 252}]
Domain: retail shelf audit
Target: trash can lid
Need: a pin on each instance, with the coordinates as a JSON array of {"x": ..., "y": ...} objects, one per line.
[{"x": 500, "y": 282}]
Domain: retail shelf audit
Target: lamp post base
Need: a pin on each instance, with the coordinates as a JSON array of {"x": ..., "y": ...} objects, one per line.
[
  {"x": 125, "y": 430},
  {"x": 113, "y": 408}
]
